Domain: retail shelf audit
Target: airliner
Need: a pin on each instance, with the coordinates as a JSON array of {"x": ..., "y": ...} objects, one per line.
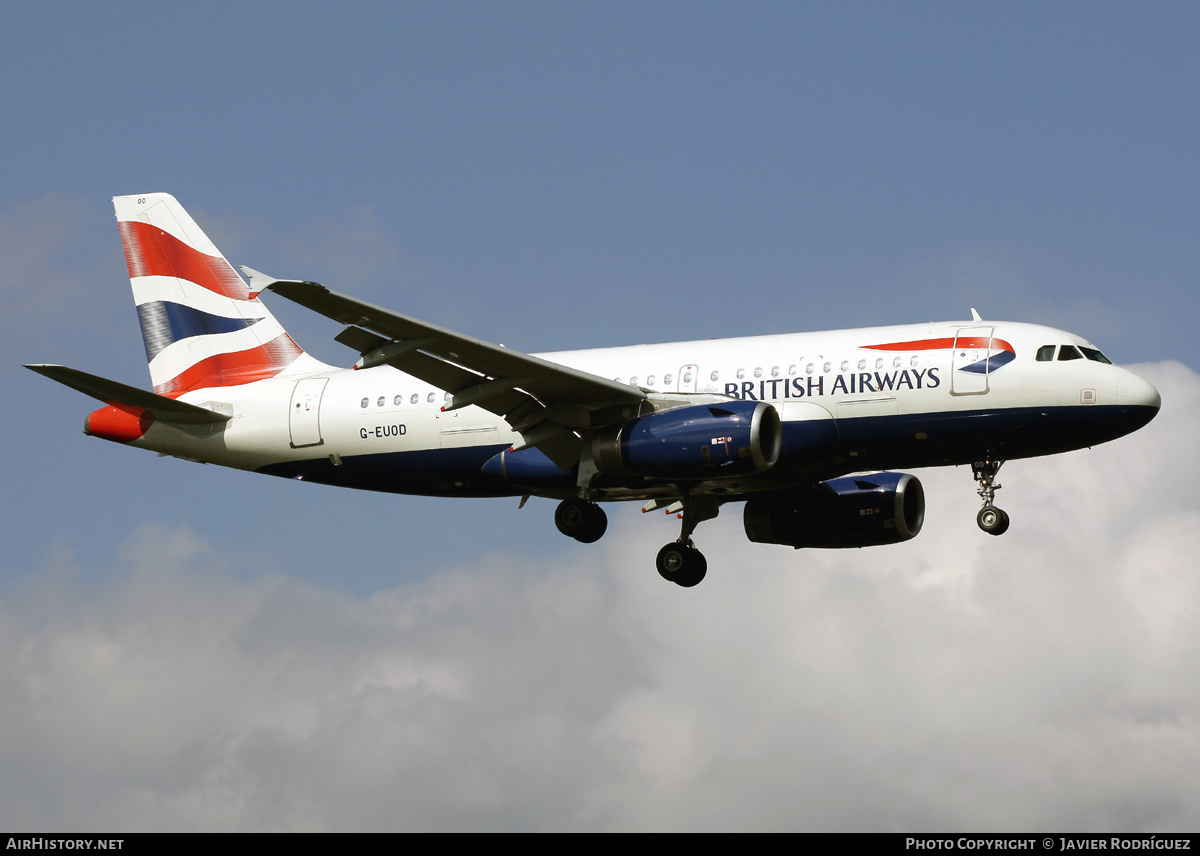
[{"x": 805, "y": 429}]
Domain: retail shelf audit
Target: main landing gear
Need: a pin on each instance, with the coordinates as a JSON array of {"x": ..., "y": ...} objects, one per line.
[
  {"x": 582, "y": 520},
  {"x": 990, "y": 518},
  {"x": 680, "y": 562}
]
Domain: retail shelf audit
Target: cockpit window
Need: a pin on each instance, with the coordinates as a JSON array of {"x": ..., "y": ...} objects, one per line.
[
  {"x": 1068, "y": 352},
  {"x": 1095, "y": 356},
  {"x": 1045, "y": 353}
]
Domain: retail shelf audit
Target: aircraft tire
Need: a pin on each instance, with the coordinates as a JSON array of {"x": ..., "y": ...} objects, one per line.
[
  {"x": 595, "y": 526},
  {"x": 696, "y": 571},
  {"x": 992, "y": 520},
  {"x": 683, "y": 565},
  {"x": 584, "y": 521}
]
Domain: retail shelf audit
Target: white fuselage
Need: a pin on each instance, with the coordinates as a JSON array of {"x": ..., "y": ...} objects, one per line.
[{"x": 898, "y": 396}]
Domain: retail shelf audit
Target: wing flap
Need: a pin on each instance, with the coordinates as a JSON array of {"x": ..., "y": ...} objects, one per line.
[
  {"x": 360, "y": 340},
  {"x": 440, "y": 373}
]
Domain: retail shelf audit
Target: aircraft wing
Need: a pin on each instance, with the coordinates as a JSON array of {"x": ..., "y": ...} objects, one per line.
[
  {"x": 547, "y": 403},
  {"x": 124, "y": 396}
]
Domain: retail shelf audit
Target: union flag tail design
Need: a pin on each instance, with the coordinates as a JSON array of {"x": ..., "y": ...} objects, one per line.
[{"x": 201, "y": 324}]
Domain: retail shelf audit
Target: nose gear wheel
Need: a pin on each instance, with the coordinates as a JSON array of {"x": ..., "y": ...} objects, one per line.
[{"x": 992, "y": 520}]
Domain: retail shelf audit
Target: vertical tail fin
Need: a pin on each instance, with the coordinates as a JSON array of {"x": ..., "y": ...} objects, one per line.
[{"x": 201, "y": 324}]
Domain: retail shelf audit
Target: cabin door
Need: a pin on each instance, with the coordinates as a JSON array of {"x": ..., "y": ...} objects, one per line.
[
  {"x": 304, "y": 413},
  {"x": 969, "y": 373}
]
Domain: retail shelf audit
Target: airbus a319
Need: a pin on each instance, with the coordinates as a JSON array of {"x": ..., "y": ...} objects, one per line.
[{"x": 801, "y": 428}]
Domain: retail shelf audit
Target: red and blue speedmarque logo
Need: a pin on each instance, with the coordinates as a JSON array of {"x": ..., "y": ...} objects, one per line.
[{"x": 1000, "y": 353}]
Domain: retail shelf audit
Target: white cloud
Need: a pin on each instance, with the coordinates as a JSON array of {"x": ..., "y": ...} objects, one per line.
[{"x": 1042, "y": 680}]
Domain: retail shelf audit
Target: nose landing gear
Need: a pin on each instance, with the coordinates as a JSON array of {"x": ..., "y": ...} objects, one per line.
[{"x": 991, "y": 519}]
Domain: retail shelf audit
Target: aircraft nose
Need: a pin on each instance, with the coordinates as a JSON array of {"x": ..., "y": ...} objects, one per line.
[
  {"x": 1134, "y": 391},
  {"x": 1137, "y": 402}
]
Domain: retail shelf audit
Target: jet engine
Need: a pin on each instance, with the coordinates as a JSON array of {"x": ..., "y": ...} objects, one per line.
[
  {"x": 730, "y": 438},
  {"x": 856, "y": 511},
  {"x": 701, "y": 441}
]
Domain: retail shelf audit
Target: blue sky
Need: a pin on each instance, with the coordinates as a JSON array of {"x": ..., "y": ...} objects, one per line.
[{"x": 567, "y": 175}]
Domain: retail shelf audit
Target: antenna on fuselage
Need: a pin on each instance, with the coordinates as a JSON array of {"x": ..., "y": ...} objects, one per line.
[{"x": 975, "y": 315}]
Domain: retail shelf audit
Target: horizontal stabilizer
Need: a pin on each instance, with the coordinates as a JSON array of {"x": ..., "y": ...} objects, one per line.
[{"x": 122, "y": 395}]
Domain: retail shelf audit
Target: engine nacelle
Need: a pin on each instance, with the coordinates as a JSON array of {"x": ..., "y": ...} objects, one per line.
[
  {"x": 700, "y": 441},
  {"x": 856, "y": 511}
]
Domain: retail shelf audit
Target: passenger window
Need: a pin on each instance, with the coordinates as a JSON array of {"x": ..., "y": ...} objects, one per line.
[
  {"x": 1068, "y": 352},
  {"x": 398, "y": 400},
  {"x": 741, "y": 373},
  {"x": 758, "y": 372},
  {"x": 827, "y": 366},
  {"x": 793, "y": 369},
  {"x": 650, "y": 380},
  {"x": 808, "y": 369},
  {"x": 431, "y": 397},
  {"x": 862, "y": 364},
  {"x": 365, "y": 402},
  {"x": 879, "y": 363},
  {"x": 415, "y": 398},
  {"x": 774, "y": 371},
  {"x": 633, "y": 381},
  {"x": 1045, "y": 354},
  {"x": 896, "y": 363},
  {"x": 687, "y": 377},
  {"x": 1095, "y": 356},
  {"x": 667, "y": 379},
  {"x": 845, "y": 365},
  {"x": 380, "y": 402},
  {"x": 714, "y": 375}
]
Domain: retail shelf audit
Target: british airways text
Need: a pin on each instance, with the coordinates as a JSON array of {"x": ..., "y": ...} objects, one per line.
[{"x": 847, "y": 384}]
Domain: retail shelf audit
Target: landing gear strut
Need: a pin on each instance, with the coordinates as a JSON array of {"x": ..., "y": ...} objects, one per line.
[
  {"x": 680, "y": 562},
  {"x": 582, "y": 520},
  {"x": 990, "y": 518}
]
